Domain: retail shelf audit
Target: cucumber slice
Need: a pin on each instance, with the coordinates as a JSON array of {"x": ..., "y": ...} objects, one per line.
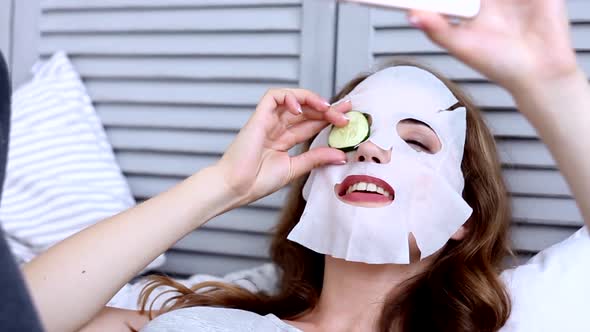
[{"x": 350, "y": 137}]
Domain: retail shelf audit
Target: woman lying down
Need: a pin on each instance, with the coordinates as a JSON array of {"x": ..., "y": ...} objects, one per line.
[{"x": 401, "y": 224}]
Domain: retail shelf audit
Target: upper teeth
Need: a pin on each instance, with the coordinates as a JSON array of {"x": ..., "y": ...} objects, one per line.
[{"x": 365, "y": 186}]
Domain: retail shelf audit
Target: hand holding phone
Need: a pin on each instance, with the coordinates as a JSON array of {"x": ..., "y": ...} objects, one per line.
[{"x": 460, "y": 8}]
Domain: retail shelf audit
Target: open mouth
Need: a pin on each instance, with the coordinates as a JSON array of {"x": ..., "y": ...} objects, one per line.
[{"x": 365, "y": 191}]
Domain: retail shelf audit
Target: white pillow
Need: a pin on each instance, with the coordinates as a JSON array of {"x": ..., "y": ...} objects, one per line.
[
  {"x": 61, "y": 175},
  {"x": 552, "y": 291}
]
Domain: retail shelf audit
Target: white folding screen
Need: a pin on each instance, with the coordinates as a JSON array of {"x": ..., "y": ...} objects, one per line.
[{"x": 173, "y": 81}]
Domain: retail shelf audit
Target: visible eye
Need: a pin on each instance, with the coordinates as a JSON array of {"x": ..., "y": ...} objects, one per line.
[
  {"x": 418, "y": 146},
  {"x": 419, "y": 136}
]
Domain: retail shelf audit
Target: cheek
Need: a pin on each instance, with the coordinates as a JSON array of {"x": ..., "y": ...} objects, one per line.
[
  {"x": 460, "y": 234},
  {"x": 425, "y": 184}
]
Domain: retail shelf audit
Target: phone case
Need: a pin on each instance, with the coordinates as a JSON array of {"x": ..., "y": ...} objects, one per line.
[{"x": 460, "y": 8}]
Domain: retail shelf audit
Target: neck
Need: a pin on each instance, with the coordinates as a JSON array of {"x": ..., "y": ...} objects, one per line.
[{"x": 353, "y": 294}]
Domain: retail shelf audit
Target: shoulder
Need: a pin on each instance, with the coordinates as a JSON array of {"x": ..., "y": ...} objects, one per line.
[
  {"x": 551, "y": 290},
  {"x": 209, "y": 319}
]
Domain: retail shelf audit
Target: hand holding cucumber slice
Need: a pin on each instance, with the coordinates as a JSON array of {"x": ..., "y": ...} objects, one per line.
[{"x": 348, "y": 138}]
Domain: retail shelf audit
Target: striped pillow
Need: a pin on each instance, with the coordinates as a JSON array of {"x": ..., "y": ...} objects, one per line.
[{"x": 61, "y": 175}]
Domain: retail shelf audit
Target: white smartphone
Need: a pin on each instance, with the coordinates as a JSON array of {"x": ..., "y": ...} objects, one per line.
[{"x": 460, "y": 8}]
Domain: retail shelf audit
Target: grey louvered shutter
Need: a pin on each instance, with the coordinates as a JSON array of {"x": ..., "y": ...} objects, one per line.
[
  {"x": 174, "y": 80},
  {"x": 544, "y": 212},
  {"x": 19, "y": 35},
  {"x": 5, "y": 28}
]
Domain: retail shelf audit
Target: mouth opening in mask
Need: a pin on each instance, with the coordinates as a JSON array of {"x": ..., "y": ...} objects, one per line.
[{"x": 364, "y": 191}]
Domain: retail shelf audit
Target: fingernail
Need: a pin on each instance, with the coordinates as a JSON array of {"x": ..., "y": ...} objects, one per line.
[
  {"x": 340, "y": 162},
  {"x": 345, "y": 117},
  {"x": 326, "y": 103},
  {"x": 342, "y": 101},
  {"x": 299, "y": 110},
  {"x": 415, "y": 21}
]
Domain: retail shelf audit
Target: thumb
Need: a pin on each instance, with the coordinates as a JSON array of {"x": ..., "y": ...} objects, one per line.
[
  {"x": 436, "y": 26},
  {"x": 305, "y": 162}
]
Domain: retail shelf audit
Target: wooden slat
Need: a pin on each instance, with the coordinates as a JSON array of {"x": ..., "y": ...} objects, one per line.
[
  {"x": 225, "y": 243},
  {"x": 170, "y": 141},
  {"x": 456, "y": 70},
  {"x": 179, "y": 92},
  {"x": 488, "y": 95},
  {"x": 147, "y": 186},
  {"x": 155, "y": 20},
  {"x": 406, "y": 40},
  {"x": 190, "y": 68},
  {"x": 547, "y": 211},
  {"x": 222, "y": 44},
  {"x": 529, "y": 153},
  {"x": 509, "y": 124},
  {"x": 245, "y": 219},
  {"x": 49, "y": 5},
  {"x": 162, "y": 164},
  {"x": 536, "y": 182},
  {"x": 445, "y": 64},
  {"x": 174, "y": 116},
  {"x": 389, "y": 18},
  {"x": 189, "y": 263},
  {"x": 150, "y": 140},
  {"x": 534, "y": 238},
  {"x": 579, "y": 12},
  {"x": 400, "y": 41}
]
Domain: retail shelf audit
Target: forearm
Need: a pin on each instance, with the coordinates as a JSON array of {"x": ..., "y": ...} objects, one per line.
[
  {"x": 84, "y": 271},
  {"x": 560, "y": 111}
]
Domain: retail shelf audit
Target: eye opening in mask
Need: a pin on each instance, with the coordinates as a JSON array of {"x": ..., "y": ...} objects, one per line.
[{"x": 419, "y": 136}]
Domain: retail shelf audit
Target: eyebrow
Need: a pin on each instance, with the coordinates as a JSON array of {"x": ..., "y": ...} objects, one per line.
[{"x": 418, "y": 122}]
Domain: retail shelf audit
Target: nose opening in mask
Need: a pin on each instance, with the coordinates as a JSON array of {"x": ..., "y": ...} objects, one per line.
[{"x": 370, "y": 152}]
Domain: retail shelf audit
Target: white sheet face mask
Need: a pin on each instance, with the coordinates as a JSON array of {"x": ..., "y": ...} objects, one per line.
[{"x": 427, "y": 187}]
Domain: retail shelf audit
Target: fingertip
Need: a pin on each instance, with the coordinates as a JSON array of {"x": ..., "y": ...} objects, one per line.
[
  {"x": 336, "y": 118},
  {"x": 292, "y": 104},
  {"x": 426, "y": 20},
  {"x": 339, "y": 162},
  {"x": 342, "y": 155},
  {"x": 342, "y": 108},
  {"x": 320, "y": 103},
  {"x": 330, "y": 156},
  {"x": 339, "y": 157},
  {"x": 414, "y": 18},
  {"x": 325, "y": 102}
]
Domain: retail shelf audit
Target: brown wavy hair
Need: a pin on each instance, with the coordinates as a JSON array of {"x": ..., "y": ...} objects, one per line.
[{"x": 460, "y": 291}]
